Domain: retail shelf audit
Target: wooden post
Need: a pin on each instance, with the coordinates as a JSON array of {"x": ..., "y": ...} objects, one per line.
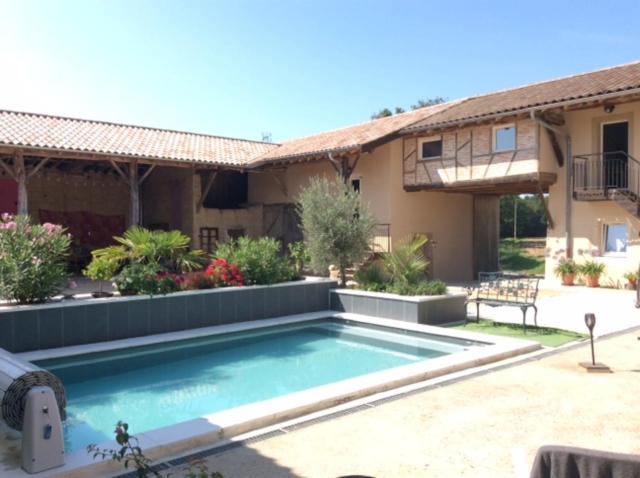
[
  {"x": 21, "y": 177},
  {"x": 134, "y": 189}
]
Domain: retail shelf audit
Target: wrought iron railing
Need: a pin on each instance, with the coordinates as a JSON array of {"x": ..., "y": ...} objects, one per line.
[
  {"x": 381, "y": 239},
  {"x": 603, "y": 172}
]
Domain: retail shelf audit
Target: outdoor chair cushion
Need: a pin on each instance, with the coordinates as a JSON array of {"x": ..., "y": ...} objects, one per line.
[{"x": 570, "y": 462}]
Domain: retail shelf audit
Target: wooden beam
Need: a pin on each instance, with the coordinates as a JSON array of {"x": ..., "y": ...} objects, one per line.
[
  {"x": 207, "y": 188},
  {"x": 550, "y": 223},
  {"x": 120, "y": 171},
  {"x": 21, "y": 177},
  {"x": 146, "y": 174},
  {"x": 37, "y": 168},
  {"x": 9, "y": 170},
  {"x": 555, "y": 145},
  {"x": 134, "y": 190}
]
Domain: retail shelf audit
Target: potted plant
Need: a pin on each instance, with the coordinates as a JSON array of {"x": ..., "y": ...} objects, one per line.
[
  {"x": 101, "y": 269},
  {"x": 632, "y": 279},
  {"x": 592, "y": 270},
  {"x": 566, "y": 269}
]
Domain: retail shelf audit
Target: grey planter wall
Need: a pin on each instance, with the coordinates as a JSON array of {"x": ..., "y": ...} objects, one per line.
[
  {"x": 432, "y": 310},
  {"x": 61, "y": 324}
]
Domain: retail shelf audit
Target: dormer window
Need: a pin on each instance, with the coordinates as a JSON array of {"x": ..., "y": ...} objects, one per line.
[
  {"x": 504, "y": 138},
  {"x": 430, "y": 148}
]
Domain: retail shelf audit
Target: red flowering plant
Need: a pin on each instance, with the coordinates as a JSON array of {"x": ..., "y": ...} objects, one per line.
[
  {"x": 167, "y": 282},
  {"x": 198, "y": 280},
  {"x": 224, "y": 274}
]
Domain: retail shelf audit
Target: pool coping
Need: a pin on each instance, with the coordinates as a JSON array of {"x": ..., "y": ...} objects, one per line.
[{"x": 209, "y": 429}]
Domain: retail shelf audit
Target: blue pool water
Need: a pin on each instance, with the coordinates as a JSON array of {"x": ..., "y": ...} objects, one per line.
[{"x": 163, "y": 384}]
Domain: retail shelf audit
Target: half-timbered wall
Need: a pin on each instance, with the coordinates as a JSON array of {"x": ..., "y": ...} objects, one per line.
[{"x": 467, "y": 156}]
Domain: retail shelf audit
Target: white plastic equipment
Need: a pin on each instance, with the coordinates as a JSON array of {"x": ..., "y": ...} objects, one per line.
[
  {"x": 32, "y": 400},
  {"x": 42, "y": 438}
]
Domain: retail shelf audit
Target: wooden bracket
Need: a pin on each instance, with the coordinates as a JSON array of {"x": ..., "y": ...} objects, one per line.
[
  {"x": 37, "y": 168},
  {"x": 147, "y": 173},
  {"x": 547, "y": 213},
  {"x": 207, "y": 188},
  {"x": 120, "y": 171},
  {"x": 555, "y": 145},
  {"x": 8, "y": 169},
  {"x": 282, "y": 184}
]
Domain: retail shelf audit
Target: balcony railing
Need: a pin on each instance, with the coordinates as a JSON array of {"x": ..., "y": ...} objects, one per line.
[{"x": 597, "y": 175}]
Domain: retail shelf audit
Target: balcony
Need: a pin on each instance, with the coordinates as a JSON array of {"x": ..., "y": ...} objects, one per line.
[{"x": 611, "y": 176}]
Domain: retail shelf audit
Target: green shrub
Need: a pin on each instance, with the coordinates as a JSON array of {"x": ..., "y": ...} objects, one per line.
[
  {"x": 33, "y": 257},
  {"x": 591, "y": 269},
  {"x": 435, "y": 287},
  {"x": 406, "y": 263},
  {"x": 259, "y": 260},
  {"x": 166, "y": 250},
  {"x": 137, "y": 278},
  {"x": 337, "y": 225},
  {"x": 565, "y": 267},
  {"x": 372, "y": 277},
  {"x": 299, "y": 256}
]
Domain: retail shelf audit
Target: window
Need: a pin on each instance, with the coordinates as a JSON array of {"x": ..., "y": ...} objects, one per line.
[
  {"x": 616, "y": 238},
  {"x": 208, "y": 238},
  {"x": 504, "y": 138},
  {"x": 430, "y": 148},
  {"x": 355, "y": 184}
]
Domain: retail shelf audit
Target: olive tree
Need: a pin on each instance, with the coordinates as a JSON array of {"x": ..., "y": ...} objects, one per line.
[{"x": 338, "y": 227}]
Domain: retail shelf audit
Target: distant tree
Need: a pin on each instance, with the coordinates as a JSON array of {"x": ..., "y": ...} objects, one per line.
[
  {"x": 531, "y": 217},
  {"x": 428, "y": 102},
  {"x": 386, "y": 112},
  {"x": 338, "y": 227},
  {"x": 382, "y": 114}
]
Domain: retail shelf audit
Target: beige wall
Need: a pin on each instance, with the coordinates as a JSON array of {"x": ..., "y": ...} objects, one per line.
[
  {"x": 467, "y": 155},
  {"x": 447, "y": 217},
  {"x": 167, "y": 199},
  {"x": 590, "y": 217},
  {"x": 95, "y": 192}
]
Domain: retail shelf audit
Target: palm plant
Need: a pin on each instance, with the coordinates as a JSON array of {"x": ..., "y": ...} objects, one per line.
[
  {"x": 167, "y": 249},
  {"x": 406, "y": 263}
]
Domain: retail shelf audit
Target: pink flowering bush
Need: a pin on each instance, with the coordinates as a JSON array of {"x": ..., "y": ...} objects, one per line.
[{"x": 33, "y": 265}]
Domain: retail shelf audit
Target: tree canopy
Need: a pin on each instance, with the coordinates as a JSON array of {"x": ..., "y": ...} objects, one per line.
[
  {"x": 531, "y": 218},
  {"x": 385, "y": 112}
]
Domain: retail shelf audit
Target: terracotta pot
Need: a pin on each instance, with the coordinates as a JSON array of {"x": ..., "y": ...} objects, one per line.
[
  {"x": 632, "y": 284},
  {"x": 567, "y": 279},
  {"x": 592, "y": 281}
]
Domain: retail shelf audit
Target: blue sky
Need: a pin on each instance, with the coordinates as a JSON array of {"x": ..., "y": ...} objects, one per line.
[{"x": 293, "y": 68}]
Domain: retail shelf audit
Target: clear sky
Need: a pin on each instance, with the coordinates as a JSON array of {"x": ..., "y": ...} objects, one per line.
[{"x": 293, "y": 68}]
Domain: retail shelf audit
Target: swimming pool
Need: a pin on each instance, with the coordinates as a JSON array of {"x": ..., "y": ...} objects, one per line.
[{"x": 158, "y": 385}]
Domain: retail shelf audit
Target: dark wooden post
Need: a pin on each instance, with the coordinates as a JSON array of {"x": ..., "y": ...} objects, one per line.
[{"x": 21, "y": 178}]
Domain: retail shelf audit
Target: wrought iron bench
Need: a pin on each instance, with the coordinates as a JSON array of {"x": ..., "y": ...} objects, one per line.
[{"x": 496, "y": 289}]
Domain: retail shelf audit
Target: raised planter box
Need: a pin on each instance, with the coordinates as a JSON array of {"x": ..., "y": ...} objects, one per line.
[
  {"x": 430, "y": 310},
  {"x": 61, "y": 324}
]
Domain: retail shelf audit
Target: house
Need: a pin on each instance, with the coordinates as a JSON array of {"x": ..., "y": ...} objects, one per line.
[{"x": 439, "y": 171}]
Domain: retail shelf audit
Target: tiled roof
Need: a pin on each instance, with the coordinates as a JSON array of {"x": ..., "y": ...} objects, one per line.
[
  {"x": 54, "y": 132},
  {"x": 351, "y": 137},
  {"x": 545, "y": 94}
]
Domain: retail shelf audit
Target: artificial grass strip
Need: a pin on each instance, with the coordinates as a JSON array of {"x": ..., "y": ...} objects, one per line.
[{"x": 545, "y": 336}]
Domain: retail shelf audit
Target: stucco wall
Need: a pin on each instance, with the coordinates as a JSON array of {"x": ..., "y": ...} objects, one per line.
[
  {"x": 447, "y": 217},
  {"x": 589, "y": 218}
]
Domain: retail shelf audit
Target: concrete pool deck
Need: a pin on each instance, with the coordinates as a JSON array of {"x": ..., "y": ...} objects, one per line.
[{"x": 489, "y": 425}]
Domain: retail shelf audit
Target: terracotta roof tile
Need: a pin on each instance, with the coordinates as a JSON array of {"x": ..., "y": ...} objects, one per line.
[
  {"x": 351, "y": 137},
  {"x": 55, "y": 132},
  {"x": 583, "y": 86}
]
